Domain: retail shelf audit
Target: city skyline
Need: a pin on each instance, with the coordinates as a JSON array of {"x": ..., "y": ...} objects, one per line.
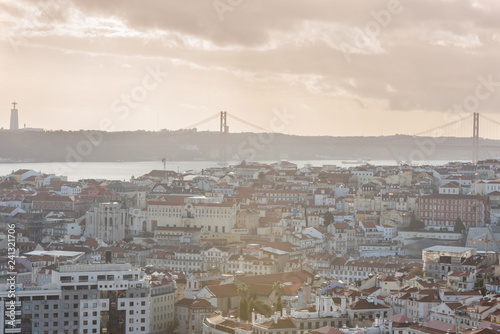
[{"x": 370, "y": 68}]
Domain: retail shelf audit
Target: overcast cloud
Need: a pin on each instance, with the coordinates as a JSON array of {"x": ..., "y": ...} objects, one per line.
[{"x": 330, "y": 63}]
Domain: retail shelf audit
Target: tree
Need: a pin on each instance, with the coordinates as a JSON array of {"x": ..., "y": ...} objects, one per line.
[
  {"x": 278, "y": 289},
  {"x": 251, "y": 308},
  {"x": 415, "y": 224},
  {"x": 171, "y": 328},
  {"x": 328, "y": 218},
  {"x": 279, "y": 306},
  {"x": 479, "y": 286},
  {"x": 261, "y": 308},
  {"x": 243, "y": 309},
  {"x": 459, "y": 226},
  {"x": 415, "y": 272},
  {"x": 242, "y": 290},
  {"x": 262, "y": 176}
]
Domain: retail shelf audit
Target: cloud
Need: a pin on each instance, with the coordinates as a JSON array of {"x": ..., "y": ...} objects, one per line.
[{"x": 426, "y": 57}]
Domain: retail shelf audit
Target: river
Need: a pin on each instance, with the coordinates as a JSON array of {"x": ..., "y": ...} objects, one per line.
[{"x": 124, "y": 170}]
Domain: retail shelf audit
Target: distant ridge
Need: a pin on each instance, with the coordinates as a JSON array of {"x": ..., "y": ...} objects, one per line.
[{"x": 97, "y": 146}]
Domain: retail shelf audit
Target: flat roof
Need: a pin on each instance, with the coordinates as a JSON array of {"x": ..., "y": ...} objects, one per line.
[
  {"x": 441, "y": 248},
  {"x": 274, "y": 250},
  {"x": 55, "y": 253}
]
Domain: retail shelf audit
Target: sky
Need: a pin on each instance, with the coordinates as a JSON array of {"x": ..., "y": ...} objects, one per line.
[{"x": 303, "y": 67}]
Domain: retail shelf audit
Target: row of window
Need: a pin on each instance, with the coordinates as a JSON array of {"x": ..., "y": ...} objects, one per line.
[
  {"x": 448, "y": 215},
  {"x": 54, "y": 324},
  {"x": 439, "y": 222},
  {"x": 181, "y": 210},
  {"x": 447, "y": 201},
  {"x": 447, "y": 207}
]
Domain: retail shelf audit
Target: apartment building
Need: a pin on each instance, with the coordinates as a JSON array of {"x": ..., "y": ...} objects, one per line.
[
  {"x": 441, "y": 260},
  {"x": 162, "y": 305},
  {"x": 442, "y": 210},
  {"x": 86, "y": 299}
]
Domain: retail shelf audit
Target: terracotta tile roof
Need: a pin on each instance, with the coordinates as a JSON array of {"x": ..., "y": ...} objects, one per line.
[
  {"x": 293, "y": 277},
  {"x": 399, "y": 318},
  {"x": 194, "y": 303},
  {"x": 363, "y": 304},
  {"x": 282, "y": 323},
  {"x": 326, "y": 330},
  {"x": 225, "y": 290}
]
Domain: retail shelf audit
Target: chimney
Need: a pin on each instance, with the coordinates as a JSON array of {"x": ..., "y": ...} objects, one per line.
[
  {"x": 253, "y": 318},
  {"x": 343, "y": 305},
  {"x": 276, "y": 317}
]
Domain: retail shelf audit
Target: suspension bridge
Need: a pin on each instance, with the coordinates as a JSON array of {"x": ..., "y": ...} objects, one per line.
[{"x": 459, "y": 127}]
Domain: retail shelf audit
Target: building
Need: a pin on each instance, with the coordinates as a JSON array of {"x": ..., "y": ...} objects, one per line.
[
  {"x": 215, "y": 258},
  {"x": 106, "y": 221},
  {"x": 162, "y": 305},
  {"x": 441, "y": 260},
  {"x": 185, "y": 258},
  {"x": 220, "y": 325},
  {"x": 175, "y": 236},
  {"x": 190, "y": 314},
  {"x": 71, "y": 206},
  {"x": 442, "y": 210},
  {"x": 461, "y": 280},
  {"x": 95, "y": 298},
  {"x": 189, "y": 211},
  {"x": 444, "y": 312}
]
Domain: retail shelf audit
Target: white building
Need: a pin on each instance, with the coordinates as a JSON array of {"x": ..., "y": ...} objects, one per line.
[
  {"x": 444, "y": 312},
  {"x": 182, "y": 211},
  {"x": 69, "y": 189}
]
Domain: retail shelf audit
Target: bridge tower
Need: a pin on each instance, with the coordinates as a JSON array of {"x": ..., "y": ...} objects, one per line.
[
  {"x": 475, "y": 139},
  {"x": 224, "y": 129}
]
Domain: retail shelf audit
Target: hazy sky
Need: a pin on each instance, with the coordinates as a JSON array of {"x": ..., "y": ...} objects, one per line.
[{"x": 364, "y": 67}]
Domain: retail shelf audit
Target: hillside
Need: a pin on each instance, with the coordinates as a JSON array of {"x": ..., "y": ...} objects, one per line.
[{"x": 191, "y": 145}]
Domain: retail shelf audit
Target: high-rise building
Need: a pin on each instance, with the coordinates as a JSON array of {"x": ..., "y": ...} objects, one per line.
[
  {"x": 97, "y": 298},
  {"x": 14, "y": 118}
]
